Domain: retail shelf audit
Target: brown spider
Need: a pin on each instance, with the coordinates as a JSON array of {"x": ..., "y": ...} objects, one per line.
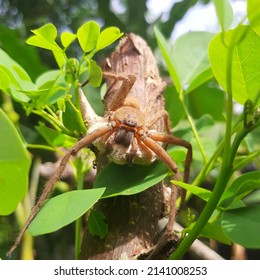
[{"x": 134, "y": 124}]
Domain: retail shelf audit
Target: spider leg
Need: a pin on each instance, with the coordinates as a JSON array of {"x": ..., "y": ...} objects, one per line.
[
  {"x": 116, "y": 100},
  {"x": 88, "y": 139},
  {"x": 150, "y": 141},
  {"x": 170, "y": 139},
  {"x": 161, "y": 114},
  {"x": 161, "y": 153}
]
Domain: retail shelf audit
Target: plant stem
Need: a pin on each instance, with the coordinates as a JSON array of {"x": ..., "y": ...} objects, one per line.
[
  {"x": 47, "y": 118},
  {"x": 193, "y": 127},
  {"x": 78, "y": 226},
  {"x": 225, "y": 171},
  {"x": 42, "y": 147},
  {"x": 205, "y": 215},
  {"x": 209, "y": 165}
]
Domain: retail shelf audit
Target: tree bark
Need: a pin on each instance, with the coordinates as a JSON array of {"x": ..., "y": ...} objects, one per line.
[{"x": 132, "y": 226}]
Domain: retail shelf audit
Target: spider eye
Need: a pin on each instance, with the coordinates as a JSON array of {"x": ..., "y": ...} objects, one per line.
[{"x": 130, "y": 122}]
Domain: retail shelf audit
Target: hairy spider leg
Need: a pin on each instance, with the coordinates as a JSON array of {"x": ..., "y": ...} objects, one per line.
[
  {"x": 88, "y": 139},
  {"x": 118, "y": 98},
  {"x": 170, "y": 139},
  {"x": 150, "y": 141}
]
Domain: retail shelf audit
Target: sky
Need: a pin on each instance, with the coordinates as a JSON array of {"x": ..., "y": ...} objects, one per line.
[{"x": 198, "y": 18}]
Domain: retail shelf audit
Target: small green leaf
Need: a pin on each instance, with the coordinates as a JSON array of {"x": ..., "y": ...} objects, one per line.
[
  {"x": 13, "y": 70},
  {"x": 5, "y": 81},
  {"x": 107, "y": 37},
  {"x": 51, "y": 88},
  {"x": 63, "y": 209},
  {"x": 23, "y": 95},
  {"x": 59, "y": 57},
  {"x": 96, "y": 224},
  {"x": 72, "y": 118},
  {"x": 215, "y": 231},
  {"x": 88, "y": 35},
  {"x": 200, "y": 192},
  {"x": 95, "y": 74},
  {"x": 18, "y": 95},
  {"x": 55, "y": 138},
  {"x": 14, "y": 166},
  {"x": 45, "y": 37},
  {"x": 129, "y": 180},
  {"x": 46, "y": 77},
  {"x": 242, "y": 226},
  {"x": 67, "y": 38},
  {"x": 241, "y": 187},
  {"x": 166, "y": 53},
  {"x": 224, "y": 13},
  {"x": 245, "y": 62}
]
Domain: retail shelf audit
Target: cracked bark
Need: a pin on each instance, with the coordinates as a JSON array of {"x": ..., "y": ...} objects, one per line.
[{"x": 133, "y": 226}]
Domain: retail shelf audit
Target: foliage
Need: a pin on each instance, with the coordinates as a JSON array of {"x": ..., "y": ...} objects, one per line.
[
  {"x": 14, "y": 165},
  {"x": 218, "y": 70},
  {"x": 64, "y": 209},
  {"x": 233, "y": 57},
  {"x": 52, "y": 97}
]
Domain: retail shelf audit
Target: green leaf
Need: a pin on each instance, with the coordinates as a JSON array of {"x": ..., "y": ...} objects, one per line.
[
  {"x": 129, "y": 180},
  {"x": 200, "y": 192},
  {"x": 207, "y": 99},
  {"x": 167, "y": 56},
  {"x": 253, "y": 198},
  {"x": 11, "y": 40},
  {"x": 172, "y": 102},
  {"x": 192, "y": 63},
  {"x": 72, "y": 118},
  {"x": 46, "y": 77},
  {"x": 242, "y": 226},
  {"x": 241, "y": 187},
  {"x": 18, "y": 95},
  {"x": 14, "y": 166},
  {"x": 253, "y": 12},
  {"x": 88, "y": 35},
  {"x": 24, "y": 94},
  {"x": 215, "y": 231},
  {"x": 95, "y": 74},
  {"x": 59, "y": 57},
  {"x": 107, "y": 37},
  {"x": 55, "y": 138},
  {"x": 96, "y": 224},
  {"x": 245, "y": 62},
  {"x": 224, "y": 13},
  {"x": 16, "y": 74},
  {"x": 67, "y": 38},
  {"x": 63, "y": 209},
  {"x": 45, "y": 37},
  {"x": 5, "y": 81},
  {"x": 51, "y": 88}
]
